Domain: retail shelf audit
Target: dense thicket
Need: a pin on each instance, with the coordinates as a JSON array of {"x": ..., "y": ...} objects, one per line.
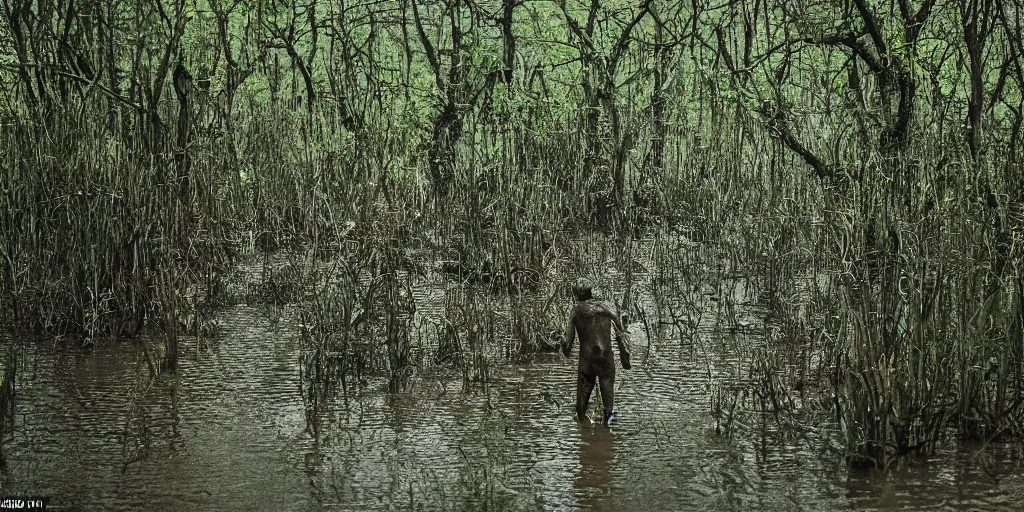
[{"x": 145, "y": 141}]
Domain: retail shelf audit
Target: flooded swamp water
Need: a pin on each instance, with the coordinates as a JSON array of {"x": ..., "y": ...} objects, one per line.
[{"x": 229, "y": 432}]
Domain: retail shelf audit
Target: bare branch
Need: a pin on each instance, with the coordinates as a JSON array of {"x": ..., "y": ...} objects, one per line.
[
  {"x": 428, "y": 48},
  {"x": 871, "y": 24},
  {"x": 856, "y": 46}
]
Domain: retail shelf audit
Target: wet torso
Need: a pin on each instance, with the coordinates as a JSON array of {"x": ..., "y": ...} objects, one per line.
[{"x": 593, "y": 321}]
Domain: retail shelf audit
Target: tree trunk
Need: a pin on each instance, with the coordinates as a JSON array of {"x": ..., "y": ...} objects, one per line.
[{"x": 182, "y": 82}]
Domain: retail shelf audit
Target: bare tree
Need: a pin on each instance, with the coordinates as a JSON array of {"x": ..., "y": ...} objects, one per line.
[
  {"x": 291, "y": 24},
  {"x": 599, "y": 74},
  {"x": 978, "y": 19},
  {"x": 458, "y": 88}
]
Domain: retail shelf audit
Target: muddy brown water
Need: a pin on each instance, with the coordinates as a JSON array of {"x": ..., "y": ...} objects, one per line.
[{"x": 230, "y": 433}]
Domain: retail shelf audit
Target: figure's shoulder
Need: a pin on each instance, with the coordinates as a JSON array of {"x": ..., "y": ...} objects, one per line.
[
  {"x": 578, "y": 309},
  {"x": 594, "y": 307}
]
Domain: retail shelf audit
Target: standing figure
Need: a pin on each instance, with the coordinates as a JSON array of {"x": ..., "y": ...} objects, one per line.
[{"x": 592, "y": 320}]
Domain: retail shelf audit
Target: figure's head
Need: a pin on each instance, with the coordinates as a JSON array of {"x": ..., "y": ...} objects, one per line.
[{"x": 582, "y": 289}]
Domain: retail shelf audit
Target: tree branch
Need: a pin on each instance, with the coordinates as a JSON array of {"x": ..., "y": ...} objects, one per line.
[
  {"x": 871, "y": 24},
  {"x": 856, "y": 46},
  {"x": 778, "y": 124},
  {"x": 428, "y": 48}
]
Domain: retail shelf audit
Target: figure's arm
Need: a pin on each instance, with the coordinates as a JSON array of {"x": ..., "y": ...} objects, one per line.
[
  {"x": 620, "y": 334},
  {"x": 623, "y": 351},
  {"x": 618, "y": 323},
  {"x": 604, "y": 310},
  {"x": 570, "y": 334}
]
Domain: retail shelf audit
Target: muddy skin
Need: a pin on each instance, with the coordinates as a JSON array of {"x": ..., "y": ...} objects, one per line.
[{"x": 592, "y": 321}]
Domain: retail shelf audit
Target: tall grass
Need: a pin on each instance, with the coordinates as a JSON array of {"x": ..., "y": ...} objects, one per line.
[
  {"x": 99, "y": 239},
  {"x": 929, "y": 314},
  {"x": 897, "y": 290}
]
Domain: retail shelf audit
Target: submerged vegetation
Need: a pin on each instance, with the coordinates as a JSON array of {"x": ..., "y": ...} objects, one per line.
[{"x": 857, "y": 165}]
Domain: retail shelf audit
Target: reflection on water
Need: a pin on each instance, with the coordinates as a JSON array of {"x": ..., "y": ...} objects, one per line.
[
  {"x": 597, "y": 454},
  {"x": 231, "y": 435}
]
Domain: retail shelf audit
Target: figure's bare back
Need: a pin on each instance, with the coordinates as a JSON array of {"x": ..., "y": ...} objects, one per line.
[{"x": 593, "y": 321}]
